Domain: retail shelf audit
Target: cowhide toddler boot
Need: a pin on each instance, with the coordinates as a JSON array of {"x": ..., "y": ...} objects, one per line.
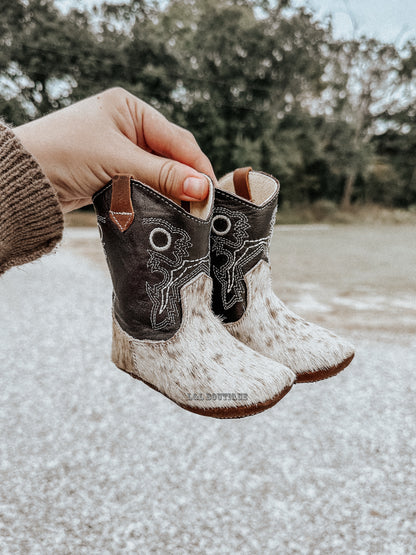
[
  {"x": 164, "y": 330},
  {"x": 244, "y": 217}
]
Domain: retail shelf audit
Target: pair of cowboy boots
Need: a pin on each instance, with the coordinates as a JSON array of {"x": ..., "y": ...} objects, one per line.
[{"x": 194, "y": 313}]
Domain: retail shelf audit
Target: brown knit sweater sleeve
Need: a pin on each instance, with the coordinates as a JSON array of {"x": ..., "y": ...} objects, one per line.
[{"x": 31, "y": 220}]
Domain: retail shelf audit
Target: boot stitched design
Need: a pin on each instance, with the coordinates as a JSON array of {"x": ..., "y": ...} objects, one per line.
[
  {"x": 242, "y": 290},
  {"x": 238, "y": 251},
  {"x": 176, "y": 269},
  {"x": 164, "y": 330}
]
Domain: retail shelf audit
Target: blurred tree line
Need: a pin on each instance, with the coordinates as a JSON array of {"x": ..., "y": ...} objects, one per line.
[{"x": 258, "y": 82}]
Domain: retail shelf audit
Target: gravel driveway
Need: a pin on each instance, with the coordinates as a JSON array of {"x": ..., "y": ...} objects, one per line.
[{"x": 94, "y": 462}]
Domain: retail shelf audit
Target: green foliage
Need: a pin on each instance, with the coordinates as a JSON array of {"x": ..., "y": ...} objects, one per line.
[{"x": 258, "y": 82}]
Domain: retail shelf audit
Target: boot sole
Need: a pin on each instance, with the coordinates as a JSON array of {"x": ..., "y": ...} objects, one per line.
[
  {"x": 219, "y": 412},
  {"x": 309, "y": 377}
]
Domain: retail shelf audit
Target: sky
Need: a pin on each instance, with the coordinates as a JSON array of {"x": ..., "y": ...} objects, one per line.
[{"x": 386, "y": 20}]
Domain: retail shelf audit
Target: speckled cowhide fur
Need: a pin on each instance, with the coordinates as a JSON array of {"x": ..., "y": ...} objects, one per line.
[
  {"x": 202, "y": 359},
  {"x": 164, "y": 330},
  {"x": 243, "y": 294}
]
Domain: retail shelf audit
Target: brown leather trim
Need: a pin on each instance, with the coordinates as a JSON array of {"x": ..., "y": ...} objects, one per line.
[
  {"x": 241, "y": 182},
  {"x": 238, "y": 412},
  {"x": 121, "y": 209},
  {"x": 309, "y": 377},
  {"x": 220, "y": 412}
]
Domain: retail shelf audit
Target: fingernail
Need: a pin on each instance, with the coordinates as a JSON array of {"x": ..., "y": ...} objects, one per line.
[{"x": 195, "y": 187}]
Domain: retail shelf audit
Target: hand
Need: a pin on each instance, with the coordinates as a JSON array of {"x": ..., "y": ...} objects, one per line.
[{"x": 80, "y": 148}]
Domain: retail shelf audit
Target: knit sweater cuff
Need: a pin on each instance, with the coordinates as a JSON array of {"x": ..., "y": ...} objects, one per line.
[{"x": 31, "y": 219}]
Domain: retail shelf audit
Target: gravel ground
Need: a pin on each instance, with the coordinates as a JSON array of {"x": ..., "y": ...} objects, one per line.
[{"x": 94, "y": 462}]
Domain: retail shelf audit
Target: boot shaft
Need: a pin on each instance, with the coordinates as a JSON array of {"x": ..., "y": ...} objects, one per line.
[
  {"x": 242, "y": 227},
  {"x": 153, "y": 248}
]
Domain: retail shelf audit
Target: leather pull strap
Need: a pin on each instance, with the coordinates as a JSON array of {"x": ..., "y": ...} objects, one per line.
[
  {"x": 241, "y": 182},
  {"x": 121, "y": 209}
]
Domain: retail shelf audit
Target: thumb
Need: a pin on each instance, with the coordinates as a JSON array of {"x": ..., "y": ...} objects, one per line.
[{"x": 173, "y": 179}]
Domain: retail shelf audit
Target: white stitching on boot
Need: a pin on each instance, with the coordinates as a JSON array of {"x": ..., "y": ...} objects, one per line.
[
  {"x": 237, "y": 252},
  {"x": 165, "y": 295}
]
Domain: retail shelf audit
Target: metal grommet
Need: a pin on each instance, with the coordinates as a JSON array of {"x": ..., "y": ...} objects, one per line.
[
  {"x": 221, "y": 217},
  {"x": 167, "y": 236}
]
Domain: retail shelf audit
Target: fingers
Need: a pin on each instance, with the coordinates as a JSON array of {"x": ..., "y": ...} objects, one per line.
[
  {"x": 174, "y": 142},
  {"x": 143, "y": 142},
  {"x": 156, "y": 134},
  {"x": 68, "y": 206},
  {"x": 173, "y": 179}
]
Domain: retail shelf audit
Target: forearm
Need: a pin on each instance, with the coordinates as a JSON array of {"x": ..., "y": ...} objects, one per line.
[{"x": 31, "y": 220}]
